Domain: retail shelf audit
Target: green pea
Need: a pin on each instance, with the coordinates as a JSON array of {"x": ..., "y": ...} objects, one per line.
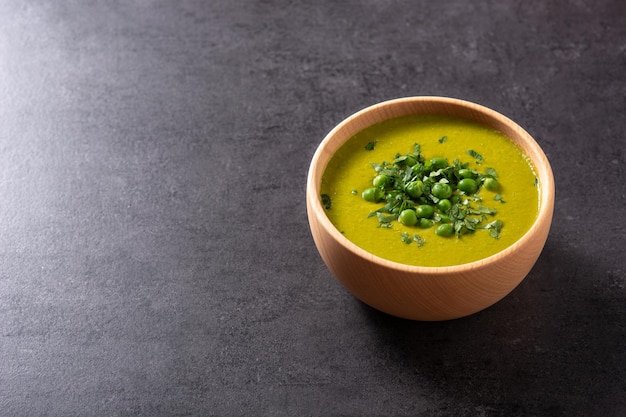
[
  {"x": 410, "y": 160},
  {"x": 408, "y": 217},
  {"x": 438, "y": 163},
  {"x": 381, "y": 180},
  {"x": 444, "y": 205},
  {"x": 417, "y": 169},
  {"x": 424, "y": 211},
  {"x": 441, "y": 190},
  {"x": 444, "y": 218},
  {"x": 465, "y": 173},
  {"x": 425, "y": 223},
  {"x": 373, "y": 195},
  {"x": 444, "y": 230},
  {"x": 467, "y": 185},
  {"x": 415, "y": 189},
  {"x": 491, "y": 184}
]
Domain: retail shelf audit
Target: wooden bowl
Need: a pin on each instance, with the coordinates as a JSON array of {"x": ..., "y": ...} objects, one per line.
[{"x": 427, "y": 293}]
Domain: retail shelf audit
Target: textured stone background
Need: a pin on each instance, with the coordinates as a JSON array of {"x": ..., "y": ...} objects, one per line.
[{"x": 155, "y": 257}]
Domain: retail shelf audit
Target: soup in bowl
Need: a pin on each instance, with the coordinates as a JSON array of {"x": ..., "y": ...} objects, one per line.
[{"x": 429, "y": 208}]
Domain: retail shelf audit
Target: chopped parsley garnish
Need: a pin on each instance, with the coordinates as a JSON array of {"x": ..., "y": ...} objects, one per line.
[
  {"x": 424, "y": 193},
  {"x": 370, "y": 146},
  {"x": 326, "y": 201},
  {"x": 406, "y": 238},
  {"x": 478, "y": 157},
  {"x": 419, "y": 240},
  {"x": 491, "y": 172},
  {"x": 443, "y": 139},
  {"x": 494, "y": 228}
]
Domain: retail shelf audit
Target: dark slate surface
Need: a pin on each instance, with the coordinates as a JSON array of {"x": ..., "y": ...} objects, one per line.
[{"x": 155, "y": 257}]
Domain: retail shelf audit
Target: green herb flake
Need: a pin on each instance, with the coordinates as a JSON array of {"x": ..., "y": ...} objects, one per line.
[
  {"x": 443, "y": 139},
  {"x": 494, "y": 228},
  {"x": 478, "y": 157},
  {"x": 491, "y": 173},
  {"x": 385, "y": 219},
  {"x": 498, "y": 197},
  {"x": 485, "y": 210},
  {"x": 459, "y": 225},
  {"x": 400, "y": 159},
  {"x": 406, "y": 238},
  {"x": 419, "y": 240},
  {"x": 471, "y": 223},
  {"x": 370, "y": 146},
  {"x": 326, "y": 201},
  {"x": 354, "y": 192}
]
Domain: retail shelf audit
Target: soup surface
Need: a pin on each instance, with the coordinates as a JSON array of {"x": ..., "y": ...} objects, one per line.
[{"x": 351, "y": 171}]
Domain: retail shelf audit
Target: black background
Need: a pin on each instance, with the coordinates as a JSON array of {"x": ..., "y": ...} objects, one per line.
[{"x": 155, "y": 257}]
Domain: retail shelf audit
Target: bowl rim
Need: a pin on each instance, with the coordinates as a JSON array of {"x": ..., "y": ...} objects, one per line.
[{"x": 543, "y": 171}]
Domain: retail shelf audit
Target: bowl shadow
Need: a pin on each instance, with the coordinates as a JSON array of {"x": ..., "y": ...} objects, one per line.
[{"x": 554, "y": 346}]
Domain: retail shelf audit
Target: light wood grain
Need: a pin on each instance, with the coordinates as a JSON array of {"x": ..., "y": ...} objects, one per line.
[{"x": 427, "y": 293}]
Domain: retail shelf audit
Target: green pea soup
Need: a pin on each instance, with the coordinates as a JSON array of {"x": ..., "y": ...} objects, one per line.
[{"x": 350, "y": 171}]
